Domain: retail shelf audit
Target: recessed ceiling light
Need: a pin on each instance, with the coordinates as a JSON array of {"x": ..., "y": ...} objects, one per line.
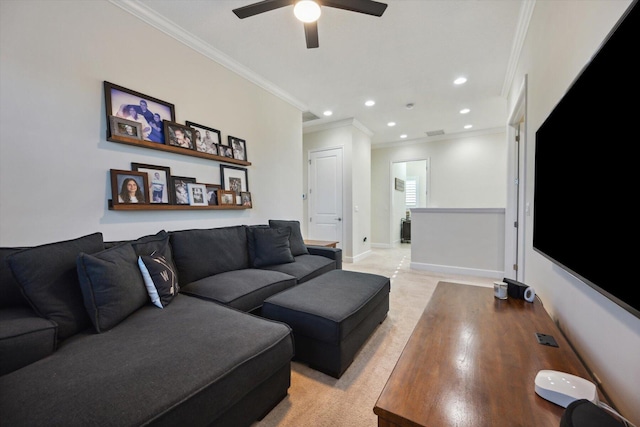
[
  {"x": 460, "y": 80},
  {"x": 403, "y": 136},
  {"x": 468, "y": 126},
  {"x": 328, "y": 113},
  {"x": 391, "y": 124},
  {"x": 370, "y": 103},
  {"x": 464, "y": 111}
]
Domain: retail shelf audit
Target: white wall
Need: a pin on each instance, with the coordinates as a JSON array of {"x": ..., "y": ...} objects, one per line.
[
  {"x": 54, "y": 158},
  {"x": 355, "y": 140},
  {"x": 361, "y": 184},
  {"x": 562, "y": 37},
  {"x": 466, "y": 172}
]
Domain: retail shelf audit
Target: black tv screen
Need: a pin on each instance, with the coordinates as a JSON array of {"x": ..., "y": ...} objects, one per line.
[{"x": 586, "y": 185}]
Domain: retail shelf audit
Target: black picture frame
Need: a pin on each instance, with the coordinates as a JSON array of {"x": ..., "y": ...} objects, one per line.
[
  {"x": 234, "y": 178},
  {"x": 159, "y": 190},
  {"x": 119, "y": 179},
  {"x": 119, "y": 101},
  {"x": 245, "y": 196},
  {"x": 238, "y": 147},
  {"x": 210, "y": 138},
  {"x": 172, "y": 132},
  {"x": 225, "y": 151},
  {"x": 180, "y": 191},
  {"x": 212, "y": 193}
]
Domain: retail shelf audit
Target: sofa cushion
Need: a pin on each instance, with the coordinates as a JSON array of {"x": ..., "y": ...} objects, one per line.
[
  {"x": 241, "y": 289},
  {"x": 25, "y": 338},
  {"x": 10, "y": 294},
  {"x": 159, "y": 279},
  {"x": 48, "y": 277},
  {"x": 200, "y": 253},
  {"x": 268, "y": 246},
  {"x": 112, "y": 285},
  {"x": 296, "y": 241},
  {"x": 169, "y": 374},
  {"x": 306, "y": 267}
]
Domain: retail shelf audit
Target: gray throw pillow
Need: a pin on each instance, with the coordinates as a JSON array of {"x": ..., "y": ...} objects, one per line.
[
  {"x": 269, "y": 246},
  {"x": 112, "y": 285},
  {"x": 49, "y": 280},
  {"x": 296, "y": 241}
]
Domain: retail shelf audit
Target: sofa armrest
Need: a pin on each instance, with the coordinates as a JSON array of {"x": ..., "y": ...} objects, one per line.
[{"x": 331, "y": 253}]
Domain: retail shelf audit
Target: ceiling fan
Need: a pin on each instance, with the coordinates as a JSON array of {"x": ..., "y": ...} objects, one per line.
[{"x": 308, "y": 11}]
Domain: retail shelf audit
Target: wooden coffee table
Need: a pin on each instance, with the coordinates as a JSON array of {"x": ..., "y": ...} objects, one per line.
[{"x": 472, "y": 360}]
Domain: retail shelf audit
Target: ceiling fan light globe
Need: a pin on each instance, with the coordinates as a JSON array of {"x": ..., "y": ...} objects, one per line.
[{"x": 307, "y": 10}]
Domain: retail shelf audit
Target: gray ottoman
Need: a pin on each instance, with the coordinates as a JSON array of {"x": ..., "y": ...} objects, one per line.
[{"x": 331, "y": 316}]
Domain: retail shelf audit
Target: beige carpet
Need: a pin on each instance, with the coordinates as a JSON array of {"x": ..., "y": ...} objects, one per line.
[{"x": 316, "y": 399}]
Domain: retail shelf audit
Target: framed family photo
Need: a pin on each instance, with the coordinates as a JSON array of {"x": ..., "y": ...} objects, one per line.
[
  {"x": 226, "y": 198},
  {"x": 234, "y": 178},
  {"x": 179, "y": 135},
  {"x": 225, "y": 151},
  {"x": 212, "y": 193},
  {"x": 180, "y": 190},
  {"x": 129, "y": 187},
  {"x": 206, "y": 139},
  {"x": 197, "y": 194},
  {"x": 158, "y": 178},
  {"x": 150, "y": 112},
  {"x": 238, "y": 148},
  {"x": 125, "y": 128},
  {"x": 246, "y": 199}
]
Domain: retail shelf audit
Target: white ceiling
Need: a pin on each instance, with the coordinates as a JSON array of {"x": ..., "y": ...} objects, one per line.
[{"x": 411, "y": 54}]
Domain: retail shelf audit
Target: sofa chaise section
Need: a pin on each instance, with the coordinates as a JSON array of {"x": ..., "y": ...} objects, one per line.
[{"x": 159, "y": 367}]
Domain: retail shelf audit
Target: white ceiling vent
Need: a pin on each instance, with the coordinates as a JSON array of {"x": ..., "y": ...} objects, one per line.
[
  {"x": 307, "y": 116},
  {"x": 435, "y": 132}
]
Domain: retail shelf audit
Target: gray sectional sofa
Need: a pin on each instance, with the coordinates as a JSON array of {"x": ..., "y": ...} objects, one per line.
[{"x": 162, "y": 330}]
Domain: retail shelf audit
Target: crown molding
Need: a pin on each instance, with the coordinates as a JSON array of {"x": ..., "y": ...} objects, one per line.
[
  {"x": 526, "y": 10},
  {"x": 142, "y": 12},
  {"x": 310, "y": 128}
]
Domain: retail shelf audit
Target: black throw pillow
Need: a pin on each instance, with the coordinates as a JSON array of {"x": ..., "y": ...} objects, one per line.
[
  {"x": 49, "y": 280},
  {"x": 296, "y": 242},
  {"x": 269, "y": 246},
  {"x": 111, "y": 284}
]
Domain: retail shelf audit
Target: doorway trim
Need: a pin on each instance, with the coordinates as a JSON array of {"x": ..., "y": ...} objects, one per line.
[{"x": 516, "y": 211}]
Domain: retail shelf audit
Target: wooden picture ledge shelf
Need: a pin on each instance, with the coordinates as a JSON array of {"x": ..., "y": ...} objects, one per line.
[
  {"x": 164, "y": 207},
  {"x": 177, "y": 150}
]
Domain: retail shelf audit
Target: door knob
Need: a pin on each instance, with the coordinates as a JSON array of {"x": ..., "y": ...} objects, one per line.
[{"x": 338, "y": 219}]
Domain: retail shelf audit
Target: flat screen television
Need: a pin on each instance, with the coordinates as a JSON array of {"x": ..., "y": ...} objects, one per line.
[{"x": 586, "y": 173}]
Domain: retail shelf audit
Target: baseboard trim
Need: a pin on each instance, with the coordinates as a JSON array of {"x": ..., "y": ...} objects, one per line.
[
  {"x": 357, "y": 258},
  {"x": 381, "y": 245},
  {"x": 449, "y": 269}
]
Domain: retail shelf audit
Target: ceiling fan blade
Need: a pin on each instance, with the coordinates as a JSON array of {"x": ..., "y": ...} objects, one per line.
[
  {"x": 368, "y": 7},
  {"x": 311, "y": 34},
  {"x": 260, "y": 7}
]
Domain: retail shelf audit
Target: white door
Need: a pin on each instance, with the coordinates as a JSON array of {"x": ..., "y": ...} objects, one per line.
[{"x": 325, "y": 195}]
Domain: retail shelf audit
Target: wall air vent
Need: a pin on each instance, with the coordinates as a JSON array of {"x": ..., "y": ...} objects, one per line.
[
  {"x": 307, "y": 116},
  {"x": 435, "y": 132}
]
